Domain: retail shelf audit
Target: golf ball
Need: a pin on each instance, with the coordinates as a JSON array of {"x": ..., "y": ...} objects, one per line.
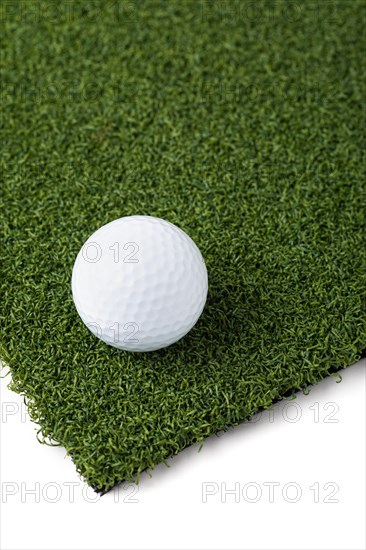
[{"x": 139, "y": 283}]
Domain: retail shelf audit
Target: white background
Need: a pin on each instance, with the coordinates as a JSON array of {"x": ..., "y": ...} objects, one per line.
[{"x": 317, "y": 440}]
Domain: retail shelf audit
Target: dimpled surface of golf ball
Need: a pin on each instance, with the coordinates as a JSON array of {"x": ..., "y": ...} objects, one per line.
[{"x": 139, "y": 283}]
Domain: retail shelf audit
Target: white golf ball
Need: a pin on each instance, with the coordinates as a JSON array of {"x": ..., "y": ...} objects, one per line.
[{"x": 139, "y": 283}]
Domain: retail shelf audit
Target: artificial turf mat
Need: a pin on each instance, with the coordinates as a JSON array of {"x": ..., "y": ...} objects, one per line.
[{"x": 240, "y": 122}]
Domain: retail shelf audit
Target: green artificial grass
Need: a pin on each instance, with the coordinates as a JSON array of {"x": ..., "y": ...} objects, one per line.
[{"x": 242, "y": 123}]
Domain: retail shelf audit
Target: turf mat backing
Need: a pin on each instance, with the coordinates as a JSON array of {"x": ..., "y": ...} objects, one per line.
[{"x": 242, "y": 123}]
